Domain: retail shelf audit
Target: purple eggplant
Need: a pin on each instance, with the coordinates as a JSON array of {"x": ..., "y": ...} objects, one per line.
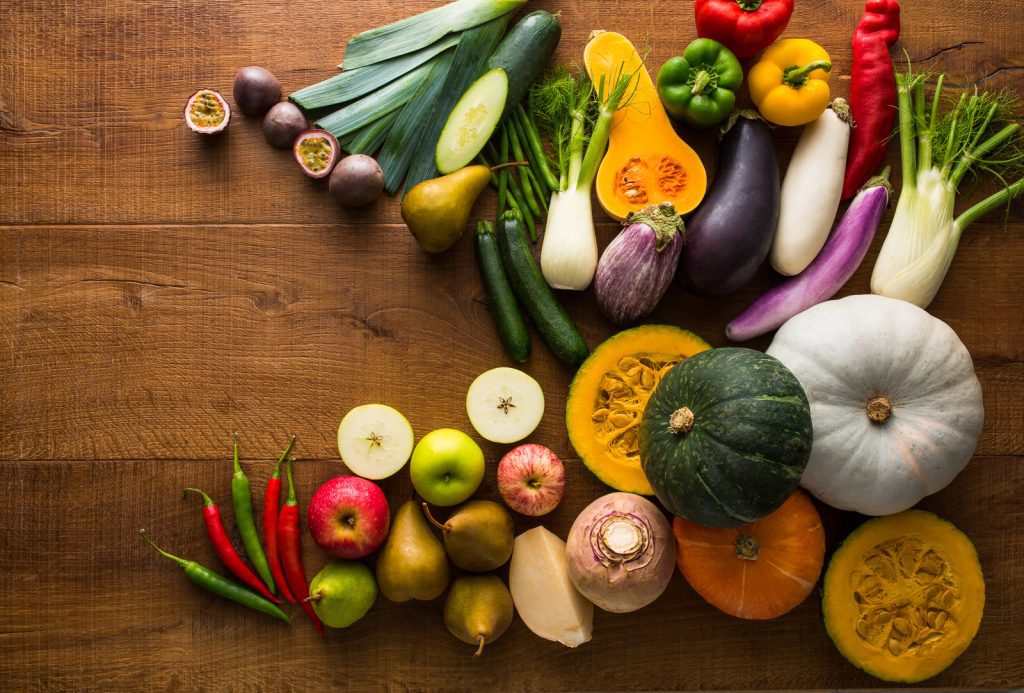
[
  {"x": 729, "y": 235},
  {"x": 834, "y": 265},
  {"x": 637, "y": 267}
]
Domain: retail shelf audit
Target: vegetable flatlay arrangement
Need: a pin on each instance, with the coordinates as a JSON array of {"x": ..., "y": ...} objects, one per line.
[{"x": 867, "y": 402}]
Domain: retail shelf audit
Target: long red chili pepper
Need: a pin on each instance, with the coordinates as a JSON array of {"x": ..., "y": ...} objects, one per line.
[
  {"x": 289, "y": 543},
  {"x": 225, "y": 550},
  {"x": 872, "y": 92},
  {"x": 271, "y": 503}
]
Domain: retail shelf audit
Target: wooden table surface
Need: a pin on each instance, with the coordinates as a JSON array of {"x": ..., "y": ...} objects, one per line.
[{"x": 159, "y": 290}]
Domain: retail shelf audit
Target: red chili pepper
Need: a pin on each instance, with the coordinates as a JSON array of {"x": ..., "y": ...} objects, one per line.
[
  {"x": 746, "y": 27},
  {"x": 289, "y": 542},
  {"x": 225, "y": 550},
  {"x": 271, "y": 503},
  {"x": 872, "y": 92}
]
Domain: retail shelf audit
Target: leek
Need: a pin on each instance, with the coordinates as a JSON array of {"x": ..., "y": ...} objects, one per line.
[
  {"x": 373, "y": 106},
  {"x": 566, "y": 106},
  {"x": 421, "y": 30},
  {"x": 370, "y": 138},
  {"x": 352, "y": 84},
  {"x": 937, "y": 152}
]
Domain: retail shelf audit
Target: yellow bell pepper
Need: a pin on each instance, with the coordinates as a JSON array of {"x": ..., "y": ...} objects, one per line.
[{"x": 789, "y": 85}]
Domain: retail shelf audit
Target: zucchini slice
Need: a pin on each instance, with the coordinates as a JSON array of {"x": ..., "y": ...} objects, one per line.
[{"x": 472, "y": 122}]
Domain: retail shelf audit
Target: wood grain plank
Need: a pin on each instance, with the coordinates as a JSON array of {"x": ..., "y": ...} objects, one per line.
[
  {"x": 109, "y": 613},
  {"x": 156, "y": 343},
  {"x": 100, "y": 87}
]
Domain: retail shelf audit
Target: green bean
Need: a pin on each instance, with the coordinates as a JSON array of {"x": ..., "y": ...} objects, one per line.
[
  {"x": 503, "y": 175},
  {"x": 220, "y": 585},
  {"x": 517, "y": 151},
  {"x": 241, "y": 497},
  {"x": 531, "y": 136}
]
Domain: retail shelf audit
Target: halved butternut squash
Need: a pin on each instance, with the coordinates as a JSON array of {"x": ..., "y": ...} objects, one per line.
[
  {"x": 646, "y": 162},
  {"x": 608, "y": 395}
]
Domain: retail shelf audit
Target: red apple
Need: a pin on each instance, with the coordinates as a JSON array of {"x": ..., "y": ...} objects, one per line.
[
  {"x": 348, "y": 517},
  {"x": 531, "y": 479}
]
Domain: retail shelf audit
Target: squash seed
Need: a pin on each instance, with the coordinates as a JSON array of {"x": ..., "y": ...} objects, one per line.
[
  {"x": 940, "y": 620},
  {"x": 901, "y": 626},
  {"x": 895, "y": 647}
]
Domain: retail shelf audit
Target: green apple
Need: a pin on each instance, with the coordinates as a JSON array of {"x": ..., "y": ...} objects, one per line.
[{"x": 447, "y": 466}]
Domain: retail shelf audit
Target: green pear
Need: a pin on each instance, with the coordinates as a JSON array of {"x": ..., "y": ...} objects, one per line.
[
  {"x": 478, "y": 536},
  {"x": 342, "y": 593},
  {"x": 478, "y": 609},
  {"x": 412, "y": 564},
  {"x": 437, "y": 210}
]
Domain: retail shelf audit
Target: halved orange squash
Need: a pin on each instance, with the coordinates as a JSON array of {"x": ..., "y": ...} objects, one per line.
[
  {"x": 607, "y": 398},
  {"x": 646, "y": 162},
  {"x": 903, "y": 596}
]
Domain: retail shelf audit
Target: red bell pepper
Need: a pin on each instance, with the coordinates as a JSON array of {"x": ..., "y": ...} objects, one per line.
[{"x": 746, "y": 27}]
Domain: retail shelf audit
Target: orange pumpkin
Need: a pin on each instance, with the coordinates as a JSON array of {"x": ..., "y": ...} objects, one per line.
[{"x": 757, "y": 571}]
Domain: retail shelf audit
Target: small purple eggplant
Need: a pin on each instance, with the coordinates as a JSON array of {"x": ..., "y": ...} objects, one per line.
[
  {"x": 835, "y": 264},
  {"x": 637, "y": 267}
]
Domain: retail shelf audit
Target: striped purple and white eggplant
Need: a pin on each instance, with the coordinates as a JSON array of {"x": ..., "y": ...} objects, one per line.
[
  {"x": 834, "y": 265},
  {"x": 637, "y": 267}
]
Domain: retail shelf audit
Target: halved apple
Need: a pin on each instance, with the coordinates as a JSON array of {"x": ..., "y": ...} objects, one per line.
[
  {"x": 505, "y": 405},
  {"x": 374, "y": 441}
]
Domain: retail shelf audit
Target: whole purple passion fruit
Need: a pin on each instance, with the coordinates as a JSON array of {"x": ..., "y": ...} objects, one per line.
[
  {"x": 283, "y": 123},
  {"x": 317, "y": 152},
  {"x": 206, "y": 112},
  {"x": 356, "y": 181},
  {"x": 256, "y": 90}
]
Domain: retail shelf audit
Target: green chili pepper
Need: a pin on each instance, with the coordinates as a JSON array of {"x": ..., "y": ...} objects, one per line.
[
  {"x": 220, "y": 585},
  {"x": 698, "y": 86},
  {"x": 241, "y": 498}
]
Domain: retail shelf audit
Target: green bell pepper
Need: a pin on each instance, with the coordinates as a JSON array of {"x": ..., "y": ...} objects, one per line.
[{"x": 698, "y": 86}]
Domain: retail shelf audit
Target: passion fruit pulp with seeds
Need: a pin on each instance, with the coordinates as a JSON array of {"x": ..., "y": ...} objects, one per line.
[
  {"x": 283, "y": 123},
  {"x": 317, "y": 152},
  {"x": 206, "y": 112},
  {"x": 256, "y": 90}
]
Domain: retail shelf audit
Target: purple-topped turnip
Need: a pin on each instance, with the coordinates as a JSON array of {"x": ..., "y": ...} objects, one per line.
[{"x": 637, "y": 267}]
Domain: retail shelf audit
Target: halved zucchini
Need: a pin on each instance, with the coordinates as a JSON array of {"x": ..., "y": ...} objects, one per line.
[{"x": 472, "y": 121}]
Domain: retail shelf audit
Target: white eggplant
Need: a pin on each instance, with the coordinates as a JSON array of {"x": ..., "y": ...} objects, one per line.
[{"x": 811, "y": 190}]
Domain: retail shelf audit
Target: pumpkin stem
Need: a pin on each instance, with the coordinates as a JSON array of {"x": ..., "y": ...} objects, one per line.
[
  {"x": 681, "y": 421},
  {"x": 747, "y": 547},
  {"x": 879, "y": 409}
]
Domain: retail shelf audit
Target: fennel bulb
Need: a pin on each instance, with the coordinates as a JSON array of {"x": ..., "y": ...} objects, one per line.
[
  {"x": 568, "y": 257},
  {"x": 924, "y": 234}
]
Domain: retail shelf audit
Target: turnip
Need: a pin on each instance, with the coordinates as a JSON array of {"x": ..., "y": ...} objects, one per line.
[{"x": 621, "y": 552}]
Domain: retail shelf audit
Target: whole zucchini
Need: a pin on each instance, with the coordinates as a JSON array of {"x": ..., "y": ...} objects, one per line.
[
  {"x": 525, "y": 52},
  {"x": 730, "y": 234}
]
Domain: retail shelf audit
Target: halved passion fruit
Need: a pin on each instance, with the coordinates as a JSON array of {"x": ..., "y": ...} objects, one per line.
[
  {"x": 317, "y": 152},
  {"x": 207, "y": 112}
]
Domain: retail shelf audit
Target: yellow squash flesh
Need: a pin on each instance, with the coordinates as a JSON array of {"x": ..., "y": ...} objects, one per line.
[
  {"x": 903, "y": 596},
  {"x": 608, "y": 395}
]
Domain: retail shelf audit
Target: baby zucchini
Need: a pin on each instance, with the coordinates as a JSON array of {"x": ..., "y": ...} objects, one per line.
[{"x": 507, "y": 319}]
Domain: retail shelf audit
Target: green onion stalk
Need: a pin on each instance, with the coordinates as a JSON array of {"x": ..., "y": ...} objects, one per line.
[
  {"x": 937, "y": 152},
  {"x": 577, "y": 118}
]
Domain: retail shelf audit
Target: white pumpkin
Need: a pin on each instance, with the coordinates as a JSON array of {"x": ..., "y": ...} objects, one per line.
[{"x": 895, "y": 404}]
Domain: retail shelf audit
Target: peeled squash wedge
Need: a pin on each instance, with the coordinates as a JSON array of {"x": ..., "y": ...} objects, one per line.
[
  {"x": 903, "y": 596},
  {"x": 646, "y": 162},
  {"x": 608, "y": 395}
]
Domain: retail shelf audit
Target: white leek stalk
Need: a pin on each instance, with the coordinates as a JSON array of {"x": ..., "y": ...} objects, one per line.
[{"x": 924, "y": 234}]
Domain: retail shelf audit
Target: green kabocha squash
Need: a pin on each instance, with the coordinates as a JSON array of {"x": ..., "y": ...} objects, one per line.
[{"x": 725, "y": 437}]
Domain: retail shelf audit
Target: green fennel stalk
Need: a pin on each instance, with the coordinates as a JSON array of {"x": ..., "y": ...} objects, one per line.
[{"x": 937, "y": 151}]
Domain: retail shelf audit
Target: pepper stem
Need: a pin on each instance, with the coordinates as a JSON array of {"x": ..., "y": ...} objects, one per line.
[
  {"x": 700, "y": 82},
  {"x": 238, "y": 467},
  {"x": 291, "y": 486},
  {"x": 426, "y": 511},
  {"x": 276, "y": 474},
  {"x": 180, "y": 561},
  {"x": 749, "y": 5},
  {"x": 796, "y": 76},
  {"x": 207, "y": 501}
]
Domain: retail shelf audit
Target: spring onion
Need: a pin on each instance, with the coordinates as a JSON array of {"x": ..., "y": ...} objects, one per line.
[
  {"x": 352, "y": 84},
  {"x": 565, "y": 107},
  {"x": 421, "y": 30},
  {"x": 937, "y": 151}
]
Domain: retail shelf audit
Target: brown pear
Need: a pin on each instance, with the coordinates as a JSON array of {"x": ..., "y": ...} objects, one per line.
[
  {"x": 478, "y": 536},
  {"x": 437, "y": 210},
  {"x": 478, "y": 609},
  {"x": 412, "y": 564}
]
